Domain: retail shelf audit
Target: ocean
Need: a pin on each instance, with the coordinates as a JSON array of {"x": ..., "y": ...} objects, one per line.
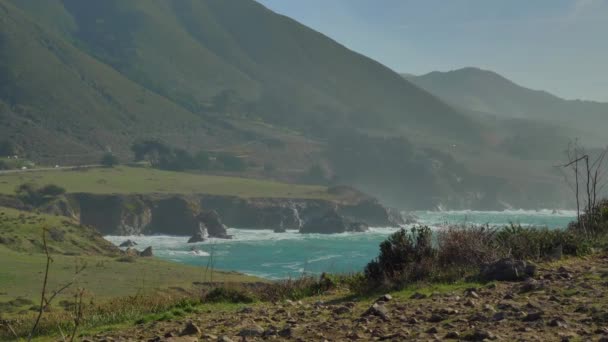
[{"x": 271, "y": 255}]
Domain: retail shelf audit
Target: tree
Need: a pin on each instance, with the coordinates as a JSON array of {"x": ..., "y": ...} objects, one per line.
[
  {"x": 7, "y": 148},
  {"x": 231, "y": 162},
  {"x": 109, "y": 160}
]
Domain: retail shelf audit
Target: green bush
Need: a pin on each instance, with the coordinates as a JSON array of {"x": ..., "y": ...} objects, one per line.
[
  {"x": 109, "y": 160},
  {"x": 229, "y": 295},
  {"x": 31, "y": 194},
  {"x": 404, "y": 257},
  {"x": 533, "y": 243}
]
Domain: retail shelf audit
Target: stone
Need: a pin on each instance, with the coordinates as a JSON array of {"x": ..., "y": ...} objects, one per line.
[
  {"x": 197, "y": 237},
  {"x": 432, "y": 330},
  {"x": 436, "y": 318},
  {"x": 147, "y": 252},
  {"x": 558, "y": 323},
  {"x": 480, "y": 335},
  {"x": 182, "y": 339},
  {"x": 285, "y": 332},
  {"x": 508, "y": 269},
  {"x": 453, "y": 335},
  {"x": 499, "y": 316},
  {"x": 190, "y": 329},
  {"x": 210, "y": 219},
  {"x": 378, "y": 310},
  {"x": 331, "y": 223},
  {"x": 385, "y": 298},
  {"x": 128, "y": 243},
  {"x": 224, "y": 338},
  {"x": 251, "y": 330},
  {"x": 341, "y": 310},
  {"x": 418, "y": 295},
  {"x": 531, "y": 285},
  {"x": 472, "y": 294},
  {"x": 533, "y": 316}
]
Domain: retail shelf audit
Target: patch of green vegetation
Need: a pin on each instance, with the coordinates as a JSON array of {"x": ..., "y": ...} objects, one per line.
[
  {"x": 129, "y": 180},
  {"x": 103, "y": 278},
  {"x": 22, "y": 231}
]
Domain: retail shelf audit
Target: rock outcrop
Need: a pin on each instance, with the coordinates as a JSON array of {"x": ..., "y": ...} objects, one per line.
[
  {"x": 332, "y": 222},
  {"x": 202, "y": 216},
  {"x": 508, "y": 269}
]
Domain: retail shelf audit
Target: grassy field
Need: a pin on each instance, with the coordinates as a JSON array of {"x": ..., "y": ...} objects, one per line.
[
  {"x": 104, "y": 278},
  {"x": 106, "y": 275},
  {"x": 123, "y": 180},
  {"x": 22, "y": 232}
]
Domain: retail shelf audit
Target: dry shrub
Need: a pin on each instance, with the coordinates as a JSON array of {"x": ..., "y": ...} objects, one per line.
[
  {"x": 463, "y": 246},
  {"x": 404, "y": 257}
]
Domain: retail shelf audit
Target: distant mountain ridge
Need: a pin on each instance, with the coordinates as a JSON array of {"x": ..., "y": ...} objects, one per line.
[
  {"x": 225, "y": 57},
  {"x": 485, "y": 91}
]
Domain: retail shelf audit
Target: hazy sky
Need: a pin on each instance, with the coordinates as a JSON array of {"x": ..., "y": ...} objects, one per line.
[{"x": 556, "y": 45}]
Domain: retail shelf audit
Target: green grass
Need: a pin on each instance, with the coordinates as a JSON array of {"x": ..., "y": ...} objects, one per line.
[
  {"x": 104, "y": 278},
  {"x": 22, "y": 231},
  {"x": 130, "y": 180},
  {"x": 22, "y": 263}
]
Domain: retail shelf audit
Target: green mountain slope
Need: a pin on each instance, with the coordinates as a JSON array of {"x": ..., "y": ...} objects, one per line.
[
  {"x": 236, "y": 57},
  {"x": 51, "y": 87},
  {"x": 487, "y": 92}
]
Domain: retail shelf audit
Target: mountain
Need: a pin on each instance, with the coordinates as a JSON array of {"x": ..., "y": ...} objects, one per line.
[
  {"x": 230, "y": 57},
  {"x": 78, "y": 78},
  {"x": 487, "y": 92}
]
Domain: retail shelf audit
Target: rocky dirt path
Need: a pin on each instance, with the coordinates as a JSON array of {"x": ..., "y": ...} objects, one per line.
[{"x": 565, "y": 302}]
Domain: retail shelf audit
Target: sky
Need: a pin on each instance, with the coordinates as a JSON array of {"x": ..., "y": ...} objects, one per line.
[{"x": 560, "y": 46}]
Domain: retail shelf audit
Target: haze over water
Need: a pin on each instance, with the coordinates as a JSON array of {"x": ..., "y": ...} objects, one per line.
[{"x": 272, "y": 255}]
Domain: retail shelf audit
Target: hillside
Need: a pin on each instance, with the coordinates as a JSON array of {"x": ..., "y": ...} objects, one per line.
[
  {"x": 489, "y": 93},
  {"x": 158, "y": 68},
  {"x": 233, "y": 76}
]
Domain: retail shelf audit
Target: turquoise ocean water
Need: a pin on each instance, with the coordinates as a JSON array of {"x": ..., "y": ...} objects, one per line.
[{"x": 281, "y": 255}]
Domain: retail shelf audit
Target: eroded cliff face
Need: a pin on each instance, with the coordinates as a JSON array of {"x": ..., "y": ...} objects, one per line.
[
  {"x": 206, "y": 214},
  {"x": 280, "y": 214}
]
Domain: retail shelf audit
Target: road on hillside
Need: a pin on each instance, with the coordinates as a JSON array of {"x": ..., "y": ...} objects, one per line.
[{"x": 5, "y": 172}]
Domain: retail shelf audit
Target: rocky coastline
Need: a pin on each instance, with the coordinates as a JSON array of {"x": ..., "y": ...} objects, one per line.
[{"x": 208, "y": 215}]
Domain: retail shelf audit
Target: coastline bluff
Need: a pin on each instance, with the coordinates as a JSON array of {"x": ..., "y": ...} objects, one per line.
[{"x": 187, "y": 215}]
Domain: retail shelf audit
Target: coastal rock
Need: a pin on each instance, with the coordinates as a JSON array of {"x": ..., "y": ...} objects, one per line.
[
  {"x": 332, "y": 222},
  {"x": 213, "y": 224},
  {"x": 508, "y": 269},
  {"x": 197, "y": 237},
  {"x": 146, "y": 252},
  {"x": 128, "y": 243}
]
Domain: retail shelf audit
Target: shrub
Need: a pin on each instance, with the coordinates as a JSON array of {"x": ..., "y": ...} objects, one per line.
[
  {"x": 404, "y": 257},
  {"x": 539, "y": 243},
  {"x": 231, "y": 162},
  {"x": 466, "y": 247},
  {"x": 229, "y": 295},
  {"x": 52, "y": 190},
  {"x": 31, "y": 194},
  {"x": 109, "y": 160}
]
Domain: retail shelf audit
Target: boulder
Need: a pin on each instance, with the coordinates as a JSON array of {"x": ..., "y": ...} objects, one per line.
[
  {"x": 190, "y": 329},
  {"x": 378, "y": 310},
  {"x": 280, "y": 229},
  {"x": 358, "y": 227},
  {"x": 146, "y": 252},
  {"x": 331, "y": 223},
  {"x": 215, "y": 228},
  {"x": 128, "y": 243},
  {"x": 131, "y": 252},
  {"x": 197, "y": 237},
  {"x": 508, "y": 269},
  {"x": 200, "y": 235}
]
